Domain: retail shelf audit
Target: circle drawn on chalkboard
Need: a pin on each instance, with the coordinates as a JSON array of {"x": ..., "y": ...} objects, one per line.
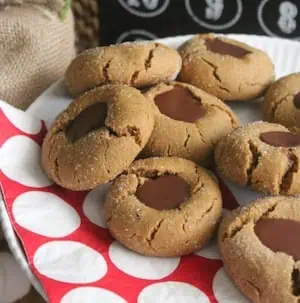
[
  {"x": 135, "y": 35},
  {"x": 263, "y": 24},
  {"x": 211, "y": 26}
]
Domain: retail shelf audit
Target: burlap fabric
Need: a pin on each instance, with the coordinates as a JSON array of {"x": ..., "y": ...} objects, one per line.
[
  {"x": 87, "y": 23},
  {"x": 36, "y": 45}
]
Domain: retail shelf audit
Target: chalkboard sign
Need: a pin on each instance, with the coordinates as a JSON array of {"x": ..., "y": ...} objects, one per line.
[{"x": 129, "y": 20}]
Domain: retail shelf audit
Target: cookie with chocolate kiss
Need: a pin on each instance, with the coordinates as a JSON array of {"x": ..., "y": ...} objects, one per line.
[
  {"x": 260, "y": 247},
  {"x": 137, "y": 64},
  {"x": 262, "y": 155},
  {"x": 163, "y": 207},
  {"x": 188, "y": 122},
  {"x": 282, "y": 102},
  {"x": 226, "y": 68},
  {"x": 97, "y": 137}
]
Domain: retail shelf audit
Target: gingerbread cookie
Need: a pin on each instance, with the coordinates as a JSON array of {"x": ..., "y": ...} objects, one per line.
[
  {"x": 260, "y": 248},
  {"x": 226, "y": 68},
  {"x": 282, "y": 102},
  {"x": 137, "y": 64},
  {"x": 184, "y": 116},
  {"x": 163, "y": 207},
  {"x": 262, "y": 155},
  {"x": 97, "y": 137}
]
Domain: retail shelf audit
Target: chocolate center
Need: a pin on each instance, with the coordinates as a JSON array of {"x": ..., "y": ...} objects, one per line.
[
  {"x": 180, "y": 104},
  {"x": 220, "y": 47},
  {"x": 88, "y": 120},
  {"x": 280, "y": 235},
  {"x": 297, "y": 100},
  {"x": 283, "y": 139},
  {"x": 164, "y": 192}
]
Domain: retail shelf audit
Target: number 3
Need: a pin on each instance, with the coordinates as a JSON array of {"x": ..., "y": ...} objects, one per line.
[{"x": 214, "y": 9}]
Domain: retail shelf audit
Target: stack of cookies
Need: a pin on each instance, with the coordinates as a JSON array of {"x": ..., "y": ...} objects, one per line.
[{"x": 155, "y": 138}]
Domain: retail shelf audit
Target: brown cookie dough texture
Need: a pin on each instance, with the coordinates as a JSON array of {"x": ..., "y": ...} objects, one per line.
[
  {"x": 137, "y": 64},
  {"x": 260, "y": 248},
  {"x": 188, "y": 122},
  {"x": 262, "y": 155},
  {"x": 226, "y": 68},
  {"x": 282, "y": 102},
  {"x": 97, "y": 137},
  {"x": 158, "y": 229}
]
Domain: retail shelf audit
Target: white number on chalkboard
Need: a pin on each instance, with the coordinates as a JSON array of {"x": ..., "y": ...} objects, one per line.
[
  {"x": 288, "y": 12},
  {"x": 214, "y": 9},
  {"x": 149, "y": 4}
]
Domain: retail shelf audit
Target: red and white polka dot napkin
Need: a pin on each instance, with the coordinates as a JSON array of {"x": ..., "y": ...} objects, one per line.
[{"x": 69, "y": 248}]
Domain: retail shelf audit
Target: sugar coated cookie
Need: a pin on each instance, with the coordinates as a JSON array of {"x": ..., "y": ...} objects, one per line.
[
  {"x": 263, "y": 155},
  {"x": 163, "y": 207},
  {"x": 97, "y": 137},
  {"x": 226, "y": 68},
  {"x": 282, "y": 102},
  {"x": 260, "y": 248},
  {"x": 137, "y": 64},
  {"x": 188, "y": 122}
]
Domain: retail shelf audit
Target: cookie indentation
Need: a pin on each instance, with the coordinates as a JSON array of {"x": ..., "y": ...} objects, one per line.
[
  {"x": 90, "y": 119},
  {"x": 164, "y": 192},
  {"x": 180, "y": 104},
  {"x": 220, "y": 47},
  {"x": 280, "y": 235},
  {"x": 255, "y": 155},
  {"x": 280, "y": 139},
  {"x": 297, "y": 100},
  {"x": 292, "y": 168}
]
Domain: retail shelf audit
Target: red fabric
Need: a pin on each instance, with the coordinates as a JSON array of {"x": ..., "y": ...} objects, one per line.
[{"x": 195, "y": 270}]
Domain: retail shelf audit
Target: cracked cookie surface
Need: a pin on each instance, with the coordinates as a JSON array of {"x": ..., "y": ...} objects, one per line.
[
  {"x": 260, "y": 247},
  {"x": 137, "y": 64},
  {"x": 226, "y": 68},
  {"x": 262, "y": 155},
  {"x": 183, "y": 220},
  {"x": 188, "y": 122},
  {"x": 282, "y": 102},
  {"x": 97, "y": 137}
]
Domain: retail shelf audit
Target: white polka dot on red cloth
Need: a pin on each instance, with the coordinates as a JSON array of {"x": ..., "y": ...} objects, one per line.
[
  {"x": 13, "y": 282},
  {"x": 224, "y": 289},
  {"x": 172, "y": 292},
  {"x": 93, "y": 205},
  {"x": 20, "y": 162},
  {"x": 210, "y": 251},
  {"x": 139, "y": 266},
  {"x": 91, "y": 295},
  {"x": 21, "y": 120},
  {"x": 45, "y": 214},
  {"x": 70, "y": 262}
]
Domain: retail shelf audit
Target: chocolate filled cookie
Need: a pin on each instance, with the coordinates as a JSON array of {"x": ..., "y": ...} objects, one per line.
[
  {"x": 282, "y": 102},
  {"x": 137, "y": 64},
  {"x": 228, "y": 69},
  {"x": 260, "y": 248},
  {"x": 188, "y": 122},
  {"x": 262, "y": 155},
  {"x": 97, "y": 137},
  {"x": 163, "y": 207}
]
